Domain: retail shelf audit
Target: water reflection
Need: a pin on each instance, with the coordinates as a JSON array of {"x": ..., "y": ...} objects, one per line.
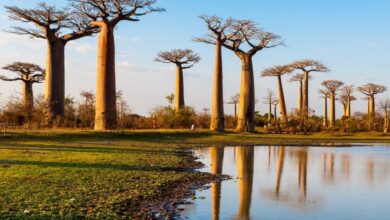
[{"x": 281, "y": 182}]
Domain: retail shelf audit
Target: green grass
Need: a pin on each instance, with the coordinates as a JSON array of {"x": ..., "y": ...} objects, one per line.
[{"x": 85, "y": 174}]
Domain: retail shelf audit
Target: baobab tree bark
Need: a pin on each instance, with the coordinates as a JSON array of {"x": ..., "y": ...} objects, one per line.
[
  {"x": 28, "y": 98},
  {"x": 305, "y": 108},
  {"x": 217, "y": 122},
  {"x": 246, "y": 108},
  {"x": 179, "y": 94},
  {"x": 55, "y": 77},
  {"x": 300, "y": 97},
  {"x": 325, "y": 111},
  {"x": 106, "y": 113},
  {"x": 282, "y": 103},
  {"x": 332, "y": 110}
]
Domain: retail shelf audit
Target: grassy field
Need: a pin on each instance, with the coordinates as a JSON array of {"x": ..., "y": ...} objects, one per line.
[{"x": 124, "y": 174}]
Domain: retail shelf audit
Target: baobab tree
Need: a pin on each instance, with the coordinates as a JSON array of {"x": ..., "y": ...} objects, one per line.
[
  {"x": 307, "y": 67},
  {"x": 275, "y": 103},
  {"x": 247, "y": 35},
  {"x": 299, "y": 78},
  {"x": 269, "y": 99},
  {"x": 325, "y": 95},
  {"x": 57, "y": 26},
  {"x": 217, "y": 36},
  {"x": 29, "y": 74},
  {"x": 234, "y": 100},
  {"x": 278, "y": 72},
  {"x": 332, "y": 86},
  {"x": 106, "y": 15},
  {"x": 346, "y": 98},
  {"x": 385, "y": 106},
  {"x": 183, "y": 59},
  {"x": 371, "y": 90}
]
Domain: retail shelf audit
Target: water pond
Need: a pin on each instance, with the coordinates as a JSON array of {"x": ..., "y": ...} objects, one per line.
[{"x": 281, "y": 182}]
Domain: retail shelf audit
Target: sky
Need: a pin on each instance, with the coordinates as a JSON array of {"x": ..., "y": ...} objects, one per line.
[{"x": 351, "y": 37}]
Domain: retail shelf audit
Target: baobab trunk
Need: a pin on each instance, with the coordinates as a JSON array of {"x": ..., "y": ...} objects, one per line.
[
  {"x": 55, "y": 78},
  {"x": 348, "y": 111},
  {"x": 106, "y": 114},
  {"x": 179, "y": 94},
  {"x": 28, "y": 98},
  {"x": 325, "y": 123},
  {"x": 247, "y": 97},
  {"x": 306, "y": 97},
  {"x": 386, "y": 123},
  {"x": 269, "y": 113},
  {"x": 332, "y": 110},
  {"x": 275, "y": 116},
  {"x": 282, "y": 104},
  {"x": 371, "y": 110},
  {"x": 300, "y": 98},
  {"x": 217, "y": 113}
]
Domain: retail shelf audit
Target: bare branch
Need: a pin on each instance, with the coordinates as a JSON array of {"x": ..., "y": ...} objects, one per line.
[{"x": 185, "y": 58}]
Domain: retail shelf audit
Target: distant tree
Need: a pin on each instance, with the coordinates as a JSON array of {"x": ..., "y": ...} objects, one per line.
[
  {"x": 385, "y": 106},
  {"x": 57, "y": 26},
  {"x": 346, "y": 98},
  {"x": 275, "y": 103},
  {"x": 332, "y": 86},
  {"x": 325, "y": 95},
  {"x": 29, "y": 74},
  {"x": 234, "y": 100},
  {"x": 307, "y": 67},
  {"x": 299, "y": 78},
  {"x": 106, "y": 15},
  {"x": 183, "y": 59},
  {"x": 219, "y": 34},
  {"x": 86, "y": 109},
  {"x": 170, "y": 98},
  {"x": 247, "y": 35},
  {"x": 270, "y": 99},
  {"x": 278, "y": 72},
  {"x": 371, "y": 90}
]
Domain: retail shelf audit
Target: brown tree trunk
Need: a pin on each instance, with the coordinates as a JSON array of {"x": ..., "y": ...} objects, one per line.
[
  {"x": 332, "y": 110},
  {"x": 179, "y": 94},
  {"x": 246, "y": 111},
  {"x": 282, "y": 103},
  {"x": 386, "y": 122},
  {"x": 306, "y": 97},
  {"x": 245, "y": 163},
  {"x": 300, "y": 98},
  {"x": 28, "y": 98},
  {"x": 270, "y": 112},
  {"x": 348, "y": 112},
  {"x": 325, "y": 112},
  {"x": 344, "y": 109},
  {"x": 275, "y": 116},
  {"x": 106, "y": 114},
  {"x": 55, "y": 78},
  {"x": 371, "y": 111},
  {"x": 217, "y": 114},
  {"x": 216, "y": 157}
]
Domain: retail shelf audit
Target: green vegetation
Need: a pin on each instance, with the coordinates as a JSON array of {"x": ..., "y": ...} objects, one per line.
[{"x": 85, "y": 174}]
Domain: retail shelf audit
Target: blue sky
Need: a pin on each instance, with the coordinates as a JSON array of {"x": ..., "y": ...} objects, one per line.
[{"x": 350, "y": 36}]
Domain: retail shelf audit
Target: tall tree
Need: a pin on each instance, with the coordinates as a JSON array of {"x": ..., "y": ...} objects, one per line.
[
  {"x": 299, "y": 78},
  {"x": 325, "y": 95},
  {"x": 234, "y": 100},
  {"x": 183, "y": 59},
  {"x": 29, "y": 74},
  {"x": 247, "y": 35},
  {"x": 218, "y": 35},
  {"x": 57, "y": 26},
  {"x": 269, "y": 100},
  {"x": 106, "y": 15},
  {"x": 332, "y": 86},
  {"x": 278, "y": 72},
  {"x": 307, "y": 67},
  {"x": 371, "y": 90}
]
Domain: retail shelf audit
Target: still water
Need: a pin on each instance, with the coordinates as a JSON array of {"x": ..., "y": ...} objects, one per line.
[{"x": 295, "y": 183}]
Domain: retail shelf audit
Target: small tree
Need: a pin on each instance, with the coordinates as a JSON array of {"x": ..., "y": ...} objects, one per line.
[
  {"x": 234, "y": 100},
  {"x": 29, "y": 74},
  {"x": 183, "y": 59},
  {"x": 385, "y": 106},
  {"x": 300, "y": 79},
  {"x": 346, "y": 98},
  {"x": 371, "y": 90},
  {"x": 106, "y": 15},
  {"x": 270, "y": 99},
  {"x": 332, "y": 86},
  {"x": 278, "y": 72}
]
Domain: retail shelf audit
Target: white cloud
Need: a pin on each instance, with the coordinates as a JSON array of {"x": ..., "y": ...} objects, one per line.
[{"x": 83, "y": 48}]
